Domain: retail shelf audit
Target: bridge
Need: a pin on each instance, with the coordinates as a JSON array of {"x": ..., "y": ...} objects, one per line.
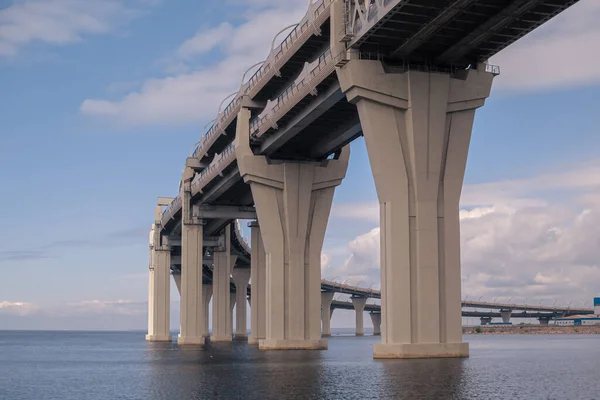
[{"x": 407, "y": 75}]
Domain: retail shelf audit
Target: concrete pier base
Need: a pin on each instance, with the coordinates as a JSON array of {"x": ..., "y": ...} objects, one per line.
[
  {"x": 289, "y": 344},
  {"x": 159, "y": 338},
  {"x": 421, "y": 350},
  {"x": 198, "y": 341}
]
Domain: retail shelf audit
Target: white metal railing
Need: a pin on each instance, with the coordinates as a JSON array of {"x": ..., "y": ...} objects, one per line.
[
  {"x": 494, "y": 69},
  {"x": 316, "y": 15},
  {"x": 215, "y": 168}
]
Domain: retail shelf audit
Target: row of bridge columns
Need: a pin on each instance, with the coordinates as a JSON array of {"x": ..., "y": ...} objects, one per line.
[{"x": 417, "y": 128}]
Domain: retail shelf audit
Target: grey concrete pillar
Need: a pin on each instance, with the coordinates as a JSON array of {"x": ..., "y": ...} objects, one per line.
[
  {"x": 159, "y": 293},
  {"x": 232, "y": 299},
  {"x": 417, "y": 128},
  {"x": 376, "y": 319},
  {"x": 292, "y": 202},
  {"x": 326, "y": 299},
  {"x": 505, "y": 314},
  {"x": 240, "y": 278},
  {"x": 359, "y": 308},
  {"x": 207, "y": 290},
  {"x": 258, "y": 276},
  {"x": 191, "y": 306},
  {"x": 221, "y": 310}
]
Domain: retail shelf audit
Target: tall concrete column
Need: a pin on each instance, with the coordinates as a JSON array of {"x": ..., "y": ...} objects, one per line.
[
  {"x": 292, "y": 201},
  {"x": 240, "y": 278},
  {"x": 326, "y": 299},
  {"x": 232, "y": 298},
  {"x": 258, "y": 277},
  {"x": 221, "y": 313},
  {"x": 359, "y": 309},
  {"x": 505, "y": 314},
  {"x": 159, "y": 290},
  {"x": 177, "y": 279},
  {"x": 207, "y": 290},
  {"x": 376, "y": 319},
  {"x": 417, "y": 128},
  {"x": 192, "y": 307}
]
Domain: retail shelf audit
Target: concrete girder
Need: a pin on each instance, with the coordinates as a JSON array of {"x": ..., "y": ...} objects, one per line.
[{"x": 314, "y": 110}]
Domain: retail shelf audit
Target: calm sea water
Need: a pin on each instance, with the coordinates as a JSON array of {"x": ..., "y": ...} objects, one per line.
[{"x": 121, "y": 365}]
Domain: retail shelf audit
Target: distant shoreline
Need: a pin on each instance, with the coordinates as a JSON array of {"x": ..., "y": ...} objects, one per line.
[{"x": 532, "y": 330}]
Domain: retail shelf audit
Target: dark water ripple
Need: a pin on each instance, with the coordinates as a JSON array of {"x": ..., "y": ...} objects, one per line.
[{"x": 107, "y": 366}]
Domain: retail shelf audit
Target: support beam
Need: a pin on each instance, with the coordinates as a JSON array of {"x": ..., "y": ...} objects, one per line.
[
  {"x": 292, "y": 201},
  {"x": 226, "y": 212},
  {"x": 240, "y": 278},
  {"x": 309, "y": 114},
  {"x": 326, "y": 299},
  {"x": 221, "y": 315},
  {"x": 430, "y": 28},
  {"x": 159, "y": 291},
  {"x": 376, "y": 320},
  {"x": 207, "y": 290},
  {"x": 417, "y": 128},
  {"x": 258, "y": 276},
  {"x": 359, "y": 309},
  {"x": 458, "y": 51}
]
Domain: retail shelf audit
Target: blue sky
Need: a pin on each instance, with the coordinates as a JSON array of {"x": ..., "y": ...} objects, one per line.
[{"x": 101, "y": 102}]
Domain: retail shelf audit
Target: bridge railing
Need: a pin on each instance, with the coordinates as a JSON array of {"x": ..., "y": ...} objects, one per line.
[
  {"x": 215, "y": 168},
  {"x": 316, "y": 15},
  {"x": 303, "y": 86}
]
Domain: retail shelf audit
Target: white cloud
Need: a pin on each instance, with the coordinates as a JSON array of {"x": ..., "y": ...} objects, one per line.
[
  {"x": 559, "y": 54},
  {"x": 17, "y": 308},
  {"x": 204, "y": 41},
  {"x": 513, "y": 243},
  {"x": 193, "y": 92},
  {"x": 60, "y": 22}
]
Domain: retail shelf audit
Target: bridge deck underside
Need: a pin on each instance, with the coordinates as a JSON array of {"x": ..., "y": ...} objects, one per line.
[{"x": 455, "y": 32}]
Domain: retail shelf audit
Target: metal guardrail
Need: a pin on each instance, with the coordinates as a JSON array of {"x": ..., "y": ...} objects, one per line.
[
  {"x": 316, "y": 15},
  {"x": 304, "y": 85}
]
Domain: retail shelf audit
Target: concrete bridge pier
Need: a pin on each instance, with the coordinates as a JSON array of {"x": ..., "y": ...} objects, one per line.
[
  {"x": 258, "y": 277},
  {"x": 359, "y": 309},
  {"x": 221, "y": 310},
  {"x": 159, "y": 293},
  {"x": 326, "y": 299},
  {"x": 505, "y": 314},
  {"x": 240, "y": 278},
  {"x": 417, "y": 128},
  {"x": 191, "y": 306},
  {"x": 207, "y": 290},
  {"x": 376, "y": 319},
  {"x": 232, "y": 299},
  {"x": 292, "y": 201}
]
